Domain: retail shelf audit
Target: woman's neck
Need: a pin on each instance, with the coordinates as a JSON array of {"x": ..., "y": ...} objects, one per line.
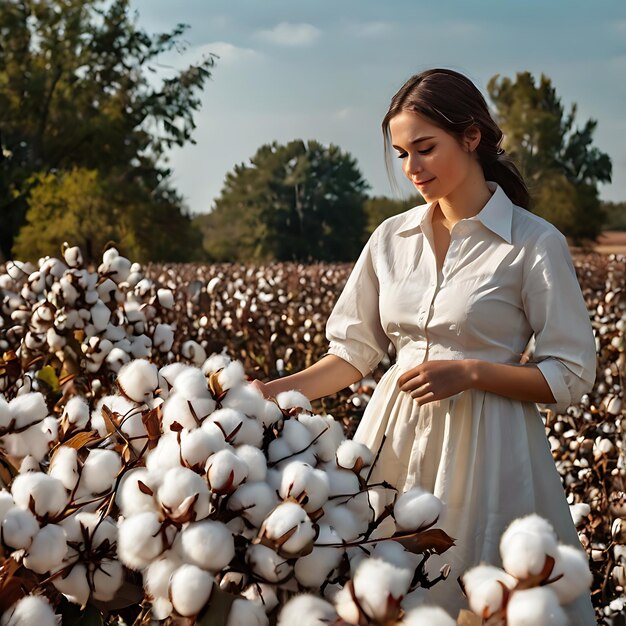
[{"x": 466, "y": 201}]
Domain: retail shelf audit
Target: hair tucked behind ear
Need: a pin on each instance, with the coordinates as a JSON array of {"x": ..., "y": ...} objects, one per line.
[{"x": 452, "y": 102}]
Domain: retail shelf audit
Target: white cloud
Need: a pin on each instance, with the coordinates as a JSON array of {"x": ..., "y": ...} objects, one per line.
[
  {"x": 370, "y": 29},
  {"x": 288, "y": 34},
  {"x": 227, "y": 52}
]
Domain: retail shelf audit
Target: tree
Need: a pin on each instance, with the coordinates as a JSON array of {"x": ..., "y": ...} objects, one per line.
[
  {"x": 78, "y": 90},
  {"x": 556, "y": 157},
  {"x": 299, "y": 201},
  {"x": 615, "y": 215},
  {"x": 379, "y": 208}
]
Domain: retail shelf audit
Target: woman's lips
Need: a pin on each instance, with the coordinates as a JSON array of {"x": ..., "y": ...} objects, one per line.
[{"x": 423, "y": 183}]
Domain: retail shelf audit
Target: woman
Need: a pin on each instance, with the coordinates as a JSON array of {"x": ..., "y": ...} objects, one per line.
[{"x": 459, "y": 286}]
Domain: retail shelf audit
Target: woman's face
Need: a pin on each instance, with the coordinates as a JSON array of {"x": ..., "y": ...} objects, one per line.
[{"x": 432, "y": 159}]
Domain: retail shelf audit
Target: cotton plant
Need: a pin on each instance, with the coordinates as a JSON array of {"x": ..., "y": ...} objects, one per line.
[{"x": 539, "y": 576}]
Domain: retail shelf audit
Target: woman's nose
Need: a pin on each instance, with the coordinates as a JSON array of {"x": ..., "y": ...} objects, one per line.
[{"x": 413, "y": 165}]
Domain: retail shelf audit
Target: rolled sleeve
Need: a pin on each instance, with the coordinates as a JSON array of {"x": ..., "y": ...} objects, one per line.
[
  {"x": 354, "y": 329},
  {"x": 564, "y": 343}
]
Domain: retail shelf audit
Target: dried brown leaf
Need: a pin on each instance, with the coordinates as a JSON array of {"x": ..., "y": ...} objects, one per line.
[{"x": 434, "y": 539}]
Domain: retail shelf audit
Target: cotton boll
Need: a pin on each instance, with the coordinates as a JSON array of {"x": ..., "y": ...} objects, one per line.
[
  {"x": 190, "y": 589},
  {"x": 300, "y": 480},
  {"x": 107, "y": 579},
  {"x": 215, "y": 363},
  {"x": 307, "y": 610},
  {"x": 90, "y": 524},
  {"x": 538, "y": 606},
  {"x": 28, "y": 611},
  {"x": 74, "y": 585},
  {"x": 165, "y": 456},
  {"x": 130, "y": 498},
  {"x": 352, "y": 455},
  {"x": 76, "y": 412},
  {"x": 47, "y": 550},
  {"x": 138, "y": 379},
  {"x": 326, "y": 444},
  {"x": 191, "y": 383},
  {"x": 48, "y": 494},
  {"x": 283, "y": 519},
  {"x": 100, "y": 316},
  {"x": 573, "y": 564},
  {"x": 171, "y": 372},
  {"x": 255, "y": 460},
  {"x": 485, "y": 586},
  {"x": 247, "y": 400},
  {"x": 99, "y": 471},
  {"x": 254, "y": 500},
  {"x": 160, "y": 608},
  {"x": 427, "y": 616},
  {"x": 163, "y": 337},
  {"x": 176, "y": 410},
  {"x": 194, "y": 352},
  {"x": 341, "y": 482},
  {"x": 140, "y": 346},
  {"x": 6, "y": 503},
  {"x": 346, "y": 608},
  {"x": 246, "y": 613},
  {"x": 207, "y": 544},
  {"x": 394, "y": 553},
  {"x": 156, "y": 576},
  {"x": 197, "y": 445},
  {"x": 267, "y": 564},
  {"x": 225, "y": 471},
  {"x": 579, "y": 512},
  {"x": 293, "y": 399},
  {"x": 312, "y": 569},
  {"x": 296, "y": 435},
  {"x": 416, "y": 509},
  {"x": 263, "y": 595},
  {"x": 232, "y": 375},
  {"x": 29, "y": 464},
  {"x": 139, "y": 540},
  {"x": 179, "y": 486},
  {"x": 29, "y": 408},
  {"x": 119, "y": 267},
  {"x": 18, "y": 528},
  {"x": 342, "y": 520},
  {"x": 166, "y": 298},
  {"x": 525, "y": 544},
  {"x": 5, "y": 413},
  {"x": 269, "y": 414},
  {"x": 374, "y": 582},
  {"x": 116, "y": 359},
  {"x": 72, "y": 256}
]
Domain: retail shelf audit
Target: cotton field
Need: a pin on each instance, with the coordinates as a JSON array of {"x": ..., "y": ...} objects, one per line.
[{"x": 143, "y": 480}]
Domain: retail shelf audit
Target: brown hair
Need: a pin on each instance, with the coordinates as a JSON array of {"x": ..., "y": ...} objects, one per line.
[{"x": 452, "y": 102}]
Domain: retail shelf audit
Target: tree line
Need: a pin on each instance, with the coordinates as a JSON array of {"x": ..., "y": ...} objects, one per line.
[{"x": 86, "y": 128}]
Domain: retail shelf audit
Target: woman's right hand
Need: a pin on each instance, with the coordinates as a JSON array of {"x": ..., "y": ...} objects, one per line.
[{"x": 263, "y": 388}]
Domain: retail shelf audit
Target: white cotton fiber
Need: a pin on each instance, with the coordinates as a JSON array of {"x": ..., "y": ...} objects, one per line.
[
  {"x": 76, "y": 412},
  {"x": 312, "y": 569},
  {"x": 347, "y": 609},
  {"x": 28, "y": 611},
  {"x": 163, "y": 337},
  {"x": 157, "y": 575},
  {"x": 255, "y": 460},
  {"x": 139, "y": 540},
  {"x": 225, "y": 471},
  {"x": 47, "y": 493},
  {"x": 74, "y": 585},
  {"x": 538, "y": 606},
  {"x": 293, "y": 399},
  {"x": 307, "y": 610},
  {"x": 165, "y": 456},
  {"x": 207, "y": 544},
  {"x": 573, "y": 564},
  {"x": 254, "y": 500},
  {"x": 138, "y": 379},
  {"x": 305, "y": 483},
  {"x": 427, "y": 616},
  {"x": 28, "y": 408},
  {"x": 130, "y": 498},
  {"x": 194, "y": 352},
  {"x": 395, "y": 553},
  {"x": 215, "y": 363},
  {"x": 6, "y": 503},
  {"x": 166, "y": 298},
  {"x": 178, "y": 486},
  {"x": 525, "y": 544},
  {"x": 107, "y": 579},
  {"x": 248, "y": 400},
  {"x": 283, "y": 519},
  {"x": 99, "y": 471},
  {"x": 246, "y": 613},
  {"x": 5, "y": 413},
  {"x": 46, "y": 550},
  {"x": 267, "y": 564},
  {"x": 353, "y": 455},
  {"x": 18, "y": 528},
  {"x": 190, "y": 589},
  {"x": 374, "y": 581},
  {"x": 232, "y": 375},
  {"x": 416, "y": 509},
  {"x": 485, "y": 586}
]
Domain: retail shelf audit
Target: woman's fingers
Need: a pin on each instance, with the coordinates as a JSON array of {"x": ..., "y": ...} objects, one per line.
[{"x": 421, "y": 390}]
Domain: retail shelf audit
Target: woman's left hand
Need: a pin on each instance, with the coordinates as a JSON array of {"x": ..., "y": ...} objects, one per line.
[{"x": 436, "y": 380}]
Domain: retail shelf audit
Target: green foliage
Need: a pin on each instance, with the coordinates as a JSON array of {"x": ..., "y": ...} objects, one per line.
[
  {"x": 557, "y": 158},
  {"x": 379, "y": 208},
  {"x": 77, "y": 90},
  {"x": 300, "y": 201},
  {"x": 615, "y": 215}
]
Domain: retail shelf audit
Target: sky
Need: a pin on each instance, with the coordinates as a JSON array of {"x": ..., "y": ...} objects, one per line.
[{"x": 327, "y": 69}]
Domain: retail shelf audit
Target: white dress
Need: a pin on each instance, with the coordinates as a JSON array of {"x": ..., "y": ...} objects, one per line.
[{"x": 507, "y": 275}]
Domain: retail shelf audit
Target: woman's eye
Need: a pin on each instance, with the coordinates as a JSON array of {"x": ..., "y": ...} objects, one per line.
[
  {"x": 427, "y": 151},
  {"x": 402, "y": 155}
]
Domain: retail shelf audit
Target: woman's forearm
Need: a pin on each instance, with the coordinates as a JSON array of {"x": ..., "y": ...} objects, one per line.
[
  {"x": 518, "y": 382},
  {"x": 329, "y": 375}
]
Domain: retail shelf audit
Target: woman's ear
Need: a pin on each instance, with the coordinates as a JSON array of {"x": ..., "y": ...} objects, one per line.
[{"x": 471, "y": 140}]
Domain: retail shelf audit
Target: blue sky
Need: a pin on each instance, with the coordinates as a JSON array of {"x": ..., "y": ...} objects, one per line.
[{"x": 327, "y": 69}]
